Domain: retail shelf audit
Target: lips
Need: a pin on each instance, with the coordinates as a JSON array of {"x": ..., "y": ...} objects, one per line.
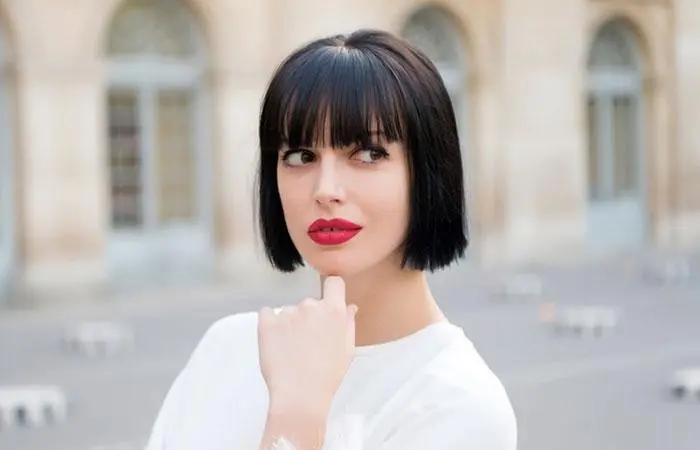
[{"x": 333, "y": 231}]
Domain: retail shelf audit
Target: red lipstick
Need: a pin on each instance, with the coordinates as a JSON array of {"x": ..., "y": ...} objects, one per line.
[{"x": 333, "y": 231}]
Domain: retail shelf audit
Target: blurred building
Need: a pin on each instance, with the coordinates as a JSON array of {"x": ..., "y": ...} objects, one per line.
[{"x": 128, "y": 128}]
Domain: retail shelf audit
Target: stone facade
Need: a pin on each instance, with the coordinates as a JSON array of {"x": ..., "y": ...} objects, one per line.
[{"x": 522, "y": 74}]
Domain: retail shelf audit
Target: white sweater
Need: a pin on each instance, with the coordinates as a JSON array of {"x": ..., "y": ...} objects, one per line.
[{"x": 428, "y": 391}]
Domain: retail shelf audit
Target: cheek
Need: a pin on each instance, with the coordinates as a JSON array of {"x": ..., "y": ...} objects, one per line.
[
  {"x": 294, "y": 197},
  {"x": 289, "y": 197},
  {"x": 388, "y": 199}
]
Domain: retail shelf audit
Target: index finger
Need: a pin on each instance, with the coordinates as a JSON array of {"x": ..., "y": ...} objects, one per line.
[{"x": 334, "y": 290}]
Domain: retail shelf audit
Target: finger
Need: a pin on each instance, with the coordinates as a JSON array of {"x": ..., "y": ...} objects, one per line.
[{"x": 334, "y": 290}]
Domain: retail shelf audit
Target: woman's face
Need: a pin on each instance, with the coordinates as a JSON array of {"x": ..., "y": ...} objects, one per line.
[{"x": 346, "y": 209}]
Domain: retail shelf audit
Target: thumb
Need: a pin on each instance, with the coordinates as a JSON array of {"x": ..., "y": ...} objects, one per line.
[{"x": 334, "y": 290}]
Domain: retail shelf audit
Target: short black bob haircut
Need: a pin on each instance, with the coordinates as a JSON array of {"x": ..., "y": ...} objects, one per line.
[{"x": 334, "y": 91}]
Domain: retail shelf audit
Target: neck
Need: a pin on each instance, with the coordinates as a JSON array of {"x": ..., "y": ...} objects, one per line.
[{"x": 392, "y": 304}]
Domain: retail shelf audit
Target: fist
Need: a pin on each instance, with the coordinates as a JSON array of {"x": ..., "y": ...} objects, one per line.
[{"x": 305, "y": 350}]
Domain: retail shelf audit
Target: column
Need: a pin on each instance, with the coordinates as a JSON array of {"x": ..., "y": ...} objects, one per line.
[
  {"x": 63, "y": 177},
  {"x": 543, "y": 136},
  {"x": 687, "y": 17}
]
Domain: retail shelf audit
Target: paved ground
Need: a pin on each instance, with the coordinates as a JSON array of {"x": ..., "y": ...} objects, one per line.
[{"x": 569, "y": 393}]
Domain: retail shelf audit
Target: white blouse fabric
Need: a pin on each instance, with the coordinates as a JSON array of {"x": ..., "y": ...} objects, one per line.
[{"x": 427, "y": 391}]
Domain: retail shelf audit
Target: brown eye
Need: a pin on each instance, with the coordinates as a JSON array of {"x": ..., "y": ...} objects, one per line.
[
  {"x": 370, "y": 155},
  {"x": 298, "y": 157},
  {"x": 307, "y": 156}
]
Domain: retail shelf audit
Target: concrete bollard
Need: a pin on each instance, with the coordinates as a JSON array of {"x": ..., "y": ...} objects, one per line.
[
  {"x": 95, "y": 339},
  {"x": 685, "y": 383},
  {"x": 31, "y": 406},
  {"x": 520, "y": 287},
  {"x": 586, "y": 321},
  {"x": 667, "y": 271}
]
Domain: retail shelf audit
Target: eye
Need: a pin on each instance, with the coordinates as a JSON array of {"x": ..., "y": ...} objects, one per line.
[
  {"x": 370, "y": 155},
  {"x": 298, "y": 157}
]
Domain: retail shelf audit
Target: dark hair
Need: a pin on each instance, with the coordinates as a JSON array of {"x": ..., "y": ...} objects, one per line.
[{"x": 336, "y": 90}]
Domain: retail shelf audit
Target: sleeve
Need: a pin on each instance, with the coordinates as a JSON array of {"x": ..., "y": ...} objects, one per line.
[{"x": 454, "y": 427}]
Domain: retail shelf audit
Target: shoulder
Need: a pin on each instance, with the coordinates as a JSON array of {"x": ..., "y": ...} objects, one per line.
[
  {"x": 239, "y": 325},
  {"x": 460, "y": 370},
  {"x": 230, "y": 338},
  {"x": 463, "y": 401}
]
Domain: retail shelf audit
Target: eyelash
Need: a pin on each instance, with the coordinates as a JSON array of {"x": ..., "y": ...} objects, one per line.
[{"x": 382, "y": 153}]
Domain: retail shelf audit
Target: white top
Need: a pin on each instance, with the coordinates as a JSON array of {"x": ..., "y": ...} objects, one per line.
[{"x": 430, "y": 390}]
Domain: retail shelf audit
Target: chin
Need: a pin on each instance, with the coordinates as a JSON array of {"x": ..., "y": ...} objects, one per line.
[{"x": 331, "y": 263}]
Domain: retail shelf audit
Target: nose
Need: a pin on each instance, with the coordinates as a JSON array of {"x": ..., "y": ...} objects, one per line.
[{"x": 328, "y": 189}]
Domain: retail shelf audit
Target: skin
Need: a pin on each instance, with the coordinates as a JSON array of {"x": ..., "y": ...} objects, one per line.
[{"x": 367, "y": 298}]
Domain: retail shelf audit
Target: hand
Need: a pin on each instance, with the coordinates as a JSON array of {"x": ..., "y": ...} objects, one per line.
[{"x": 305, "y": 350}]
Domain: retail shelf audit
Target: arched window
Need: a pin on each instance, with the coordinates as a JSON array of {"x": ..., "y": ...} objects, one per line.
[
  {"x": 614, "y": 48},
  {"x": 158, "y": 155},
  {"x": 615, "y": 135},
  {"x": 435, "y": 32}
]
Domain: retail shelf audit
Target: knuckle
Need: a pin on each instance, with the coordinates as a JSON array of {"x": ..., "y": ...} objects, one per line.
[{"x": 307, "y": 303}]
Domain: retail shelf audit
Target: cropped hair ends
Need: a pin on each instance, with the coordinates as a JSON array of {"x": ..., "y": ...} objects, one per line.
[{"x": 338, "y": 90}]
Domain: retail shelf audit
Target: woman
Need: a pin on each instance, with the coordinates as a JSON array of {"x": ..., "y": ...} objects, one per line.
[{"x": 361, "y": 178}]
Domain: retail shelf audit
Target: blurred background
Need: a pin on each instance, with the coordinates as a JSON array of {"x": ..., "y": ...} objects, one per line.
[{"x": 127, "y": 155}]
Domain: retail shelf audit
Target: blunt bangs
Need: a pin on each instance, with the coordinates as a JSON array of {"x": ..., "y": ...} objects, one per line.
[{"x": 335, "y": 97}]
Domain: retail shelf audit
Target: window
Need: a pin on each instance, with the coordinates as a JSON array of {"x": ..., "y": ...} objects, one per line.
[
  {"x": 614, "y": 150},
  {"x": 154, "y": 110}
]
